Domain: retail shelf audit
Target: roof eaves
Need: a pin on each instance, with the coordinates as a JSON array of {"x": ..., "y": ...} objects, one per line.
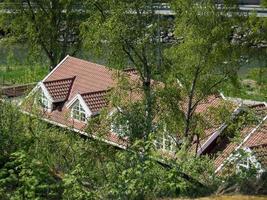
[{"x": 78, "y": 131}]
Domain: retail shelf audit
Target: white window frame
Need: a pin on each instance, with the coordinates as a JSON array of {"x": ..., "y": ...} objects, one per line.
[
  {"x": 82, "y": 115},
  {"x": 44, "y": 101},
  {"x": 165, "y": 142},
  {"x": 116, "y": 128}
]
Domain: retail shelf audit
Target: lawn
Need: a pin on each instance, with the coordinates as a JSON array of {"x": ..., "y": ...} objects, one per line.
[{"x": 252, "y": 85}]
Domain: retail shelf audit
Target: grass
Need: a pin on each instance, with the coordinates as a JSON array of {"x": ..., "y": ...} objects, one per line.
[
  {"x": 21, "y": 74},
  {"x": 19, "y": 66},
  {"x": 251, "y": 86}
]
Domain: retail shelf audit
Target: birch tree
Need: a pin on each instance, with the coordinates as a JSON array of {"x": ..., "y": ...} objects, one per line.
[
  {"x": 204, "y": 58},
  {"x": 126, "y": 33}
]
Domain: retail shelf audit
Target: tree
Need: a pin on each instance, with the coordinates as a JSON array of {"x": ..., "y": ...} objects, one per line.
[
  {"x": 252, "y": 35},
  {"x": 202, "y": 60},
  {"x": 126, "y": 32},
  {"x": 49, "y": 26}
]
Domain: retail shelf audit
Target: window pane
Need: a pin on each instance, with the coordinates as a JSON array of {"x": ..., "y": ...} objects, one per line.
[
  {"x": 43, "y": 100},
  {"x": 78, "y": 112}
]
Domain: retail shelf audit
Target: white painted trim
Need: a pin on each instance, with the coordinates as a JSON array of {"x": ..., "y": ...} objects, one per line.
[
  {"x": 78, "y": 131},
  {"x": 59, "y": 64},
  {"x": 240, "y": 145},
  {"x": 82, "y": 102},
  {"x": 47, "y": 94},
  {"x": 206, "y": 144},
  {"x": 222, "y": 95},
  {"x": 69, "y": 104},
  {"x": 38, "y": 84}
]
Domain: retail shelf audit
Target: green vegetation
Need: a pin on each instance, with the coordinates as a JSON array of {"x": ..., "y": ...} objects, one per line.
[
  {"x": 252, "y": 86},
  {"x": 50, "y": 27},
  {"x": 18, "y": 65},
  {"x": 21, "y": 74},
  {"x": 41, "y": 161}
]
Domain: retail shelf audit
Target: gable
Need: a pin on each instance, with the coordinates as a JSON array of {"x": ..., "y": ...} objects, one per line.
[{"x": 78, "y": 98}]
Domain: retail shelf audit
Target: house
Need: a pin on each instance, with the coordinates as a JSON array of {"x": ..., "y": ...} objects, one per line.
[
  {"x": 248, "y": 150},
  {"x": 76, "y": 90}
]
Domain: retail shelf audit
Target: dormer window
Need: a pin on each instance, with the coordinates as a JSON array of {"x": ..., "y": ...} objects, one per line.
[
  {"x": 44, "y": 101},
  {"x": 165, "y": 142},
  {"x": 119, "y": 124},
  {"x": 78, "y": 113}
]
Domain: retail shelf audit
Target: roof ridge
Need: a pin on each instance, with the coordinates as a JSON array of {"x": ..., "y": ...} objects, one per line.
[
  {"x": 63, "y": 79},
  {"x": 55, "y": 68},
  {"x": 94, "y": 92},
  {"x": 257, "y": 105}
]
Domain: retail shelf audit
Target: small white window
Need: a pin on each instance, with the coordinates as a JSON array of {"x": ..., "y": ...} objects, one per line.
[
  {"x": 120, "y": 130},
  {"x": 165, "y": 142},
  {"x": 119, "y": 125},
  {"x": 78, "y": 113},
  {"x": 44, "y": 101}
]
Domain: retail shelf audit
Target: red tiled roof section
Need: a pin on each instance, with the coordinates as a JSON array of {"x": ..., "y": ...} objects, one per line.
[
  {"x": 230, "y": 147},
  {"x": 95, "y": 100},
  {"x": 257, "y": 138},
  {"x": 261, "y": 154},
  {"x": 59, "y": 89},
  {"x": 205, "y": 104},
  {"x": 90, "y": 77},
  {"x": 211, "y": 101}
]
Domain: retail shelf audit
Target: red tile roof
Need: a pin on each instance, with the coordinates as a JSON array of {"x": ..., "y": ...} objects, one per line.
[
  {"x": 255, "y": 138},
  {"x": 95, "y": 100},
  {"x": 259, "y": 137},
  {"x": 213, "y": 101},
  {"x": 75, "y": 76},
  {"x": 93, "y": 81},
  {"x": 59, "y": 89},
  {"x": 260, "y": 152},
  {"x": 89, "y": 77}
]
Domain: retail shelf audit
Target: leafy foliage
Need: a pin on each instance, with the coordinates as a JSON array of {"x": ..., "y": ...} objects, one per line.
[{"x": 48, "y": 26}]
